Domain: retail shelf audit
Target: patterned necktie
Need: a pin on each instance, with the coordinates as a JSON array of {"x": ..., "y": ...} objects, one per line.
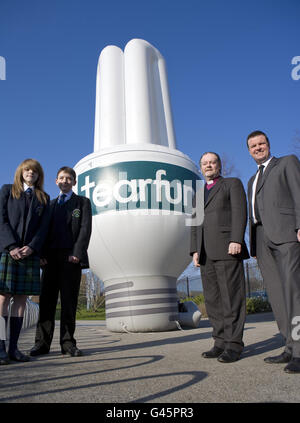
[
  {"x": 29, "y": 191},
  {"x": 61, "y": 199},
  {"x": 258, "y": 184}
]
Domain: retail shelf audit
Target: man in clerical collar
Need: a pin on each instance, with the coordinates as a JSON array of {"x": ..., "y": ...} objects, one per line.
[{"x": 218, "y": 247}]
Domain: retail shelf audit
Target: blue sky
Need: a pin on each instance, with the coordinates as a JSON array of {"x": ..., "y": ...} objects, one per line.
[{"x": 229, "y": 70}]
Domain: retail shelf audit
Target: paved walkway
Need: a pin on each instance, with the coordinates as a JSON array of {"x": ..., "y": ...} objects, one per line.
[{"x": 164, "y": 367}]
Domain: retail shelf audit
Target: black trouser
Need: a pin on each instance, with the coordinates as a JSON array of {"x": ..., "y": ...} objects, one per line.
[
  {"x": 59, "y": 276},
  {"x": 225, "y": 301}
]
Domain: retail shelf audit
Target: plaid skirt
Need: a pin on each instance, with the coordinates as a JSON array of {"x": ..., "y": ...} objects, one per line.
[{"x": 19, "y": 277}]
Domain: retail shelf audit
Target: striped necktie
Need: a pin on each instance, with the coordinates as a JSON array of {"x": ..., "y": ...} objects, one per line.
[{"x": 61, "y": 199}]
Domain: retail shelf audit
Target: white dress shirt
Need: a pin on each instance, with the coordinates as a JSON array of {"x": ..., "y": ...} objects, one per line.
[
  {"x": 25, "y": 187},
  {"x": 265, "y": 164},
  {"x": 68, "y": 195}
]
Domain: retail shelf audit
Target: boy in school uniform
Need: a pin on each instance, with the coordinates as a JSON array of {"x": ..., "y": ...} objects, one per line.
[{"x": 65, "y": 255}]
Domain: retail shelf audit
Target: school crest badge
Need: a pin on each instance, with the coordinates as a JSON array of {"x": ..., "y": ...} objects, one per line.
[{"x": 76, "y": 213}]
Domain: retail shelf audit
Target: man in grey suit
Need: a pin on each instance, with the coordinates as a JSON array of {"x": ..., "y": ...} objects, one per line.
[
  {"x": 218, "y": 247},
  {"x": 274, "y": 213}
]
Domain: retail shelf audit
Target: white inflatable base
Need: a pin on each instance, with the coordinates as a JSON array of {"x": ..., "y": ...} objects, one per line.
[
  {"x": 191, "y": 317},
  {"x": 141, "y": 304}
]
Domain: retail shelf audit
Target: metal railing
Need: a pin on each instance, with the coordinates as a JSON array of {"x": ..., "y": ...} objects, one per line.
[
  {"x": 190, "y": 286},
  {"x": 31, "y": 313}
]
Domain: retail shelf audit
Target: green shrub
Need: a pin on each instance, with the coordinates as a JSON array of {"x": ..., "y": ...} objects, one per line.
[
  {"x": 253, "y": 304},
  {"x": 198, "y": 299},
  {"x": 257, "y": 305}
]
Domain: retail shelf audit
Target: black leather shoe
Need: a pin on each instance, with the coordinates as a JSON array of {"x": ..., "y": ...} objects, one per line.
[
  {"x": 215, "y": 352},
  {"x": 16, "y": 355},
  {"x": 38, "y": 349},
  {"x": 3, "y": 354},
  {"x": 293, "y": 366},
  {"x": 277, "y": 359},
  {"x": 72, "y": 351},
  {"x": 229, "y": 356},
  {"x": 3, "y": 358}
]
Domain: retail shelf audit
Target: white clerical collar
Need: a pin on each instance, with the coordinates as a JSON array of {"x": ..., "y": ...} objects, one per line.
[{"x": 213, "y": 181}]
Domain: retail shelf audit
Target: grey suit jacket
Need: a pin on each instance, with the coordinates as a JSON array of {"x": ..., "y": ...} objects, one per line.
[
  {"x": 278, "y": 201},
  {"x": 225, "y": 219}
]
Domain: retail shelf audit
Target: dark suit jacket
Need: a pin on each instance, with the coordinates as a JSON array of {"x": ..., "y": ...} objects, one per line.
[
  {"x": 79, "y": 221},
  {"x": 12, "y": 220},
  {"x": 278, "y": 201},
  {"x": 225, "y": 218}
]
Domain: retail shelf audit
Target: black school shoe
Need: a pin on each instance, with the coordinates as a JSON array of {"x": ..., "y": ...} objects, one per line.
[
  {"x": 72, "y": 351},
  {"x": 4, "y": 359},
  {"x": 3, "y": 354},
  {"x": 38, "y": 349},
  {"x": 16, "y": 355}
]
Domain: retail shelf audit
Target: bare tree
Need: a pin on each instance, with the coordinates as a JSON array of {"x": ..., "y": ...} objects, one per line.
[
  {"x": 228, "y": 167},
  {"x": 91, "y": 294}
]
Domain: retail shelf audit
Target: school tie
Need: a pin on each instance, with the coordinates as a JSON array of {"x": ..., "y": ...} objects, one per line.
[
  {"x": 29, "y": 192},
  {"x": 61, "y": 199},
  {"x": 28, "y": 199},
  {"x": 258, "y": 184}
]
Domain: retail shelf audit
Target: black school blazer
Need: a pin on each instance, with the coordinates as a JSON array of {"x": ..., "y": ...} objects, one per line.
[
  {"x": 79, "y": 221},
  {"x": 12, "y": 220}
]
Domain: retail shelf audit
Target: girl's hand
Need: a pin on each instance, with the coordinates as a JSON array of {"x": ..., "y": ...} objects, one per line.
[
  {"x": 16, "y": 253},
  {"x": 26, "y": 251}
]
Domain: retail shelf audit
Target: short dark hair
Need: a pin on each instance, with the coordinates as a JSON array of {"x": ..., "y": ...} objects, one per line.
[
  {"x": 67, "y": 169},
  {"x": 255, "y": 134},
  {"x": 217, "y": 156}
]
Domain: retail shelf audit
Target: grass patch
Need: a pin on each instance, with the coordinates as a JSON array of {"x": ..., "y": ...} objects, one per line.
[
  {"x": 83, "y": 314},
  {"x": 253, "y": 305}
]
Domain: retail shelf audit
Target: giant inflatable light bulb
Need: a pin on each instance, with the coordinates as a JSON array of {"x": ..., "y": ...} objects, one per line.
[{"x": 141, "y": 190}]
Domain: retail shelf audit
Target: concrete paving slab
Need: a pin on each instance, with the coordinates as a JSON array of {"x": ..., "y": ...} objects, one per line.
[{"x": 161, "y": 367}]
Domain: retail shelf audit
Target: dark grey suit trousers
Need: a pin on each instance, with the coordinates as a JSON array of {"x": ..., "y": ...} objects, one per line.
[
  {"x": 225, "y": 301},
  {"x": 280, "y": 267}
]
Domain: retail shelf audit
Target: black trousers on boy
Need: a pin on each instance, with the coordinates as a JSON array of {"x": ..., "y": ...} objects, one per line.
[{"x": 59, "y": 276}]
